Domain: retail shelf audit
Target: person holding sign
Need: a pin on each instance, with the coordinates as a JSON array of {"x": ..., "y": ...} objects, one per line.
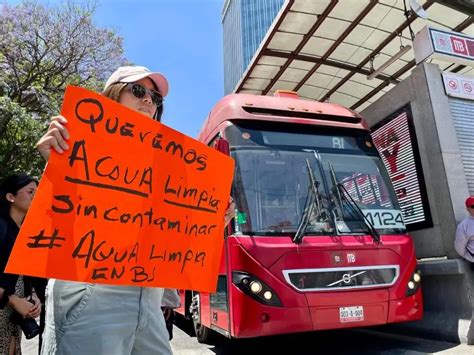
[
  {"x": 15, "y": 308},
  {"x": 86, "y": 318}
]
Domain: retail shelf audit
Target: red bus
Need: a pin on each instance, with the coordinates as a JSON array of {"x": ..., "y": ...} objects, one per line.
[{"x": 318, "y": 239}]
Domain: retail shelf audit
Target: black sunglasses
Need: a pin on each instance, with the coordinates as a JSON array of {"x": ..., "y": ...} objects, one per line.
[
  {"x": 471, "y": 206},
  {"x": 139, "y": 91}
]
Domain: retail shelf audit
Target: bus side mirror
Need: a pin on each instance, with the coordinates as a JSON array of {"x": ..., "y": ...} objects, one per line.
[{"x": 222, "y": 145}]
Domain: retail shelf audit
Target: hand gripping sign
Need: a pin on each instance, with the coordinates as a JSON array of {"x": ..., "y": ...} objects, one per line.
[{"x": 132, "y": 202}]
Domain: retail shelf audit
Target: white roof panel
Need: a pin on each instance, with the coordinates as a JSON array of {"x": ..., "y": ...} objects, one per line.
[
  {"x": 310, "y": 6},
  {"x": 361, "y": 78},
  {"x": 379, "y": 14},
  {"x": 341, "y": 75},
  {"x": 366, "y": 36},
  {"x": 294, "y": 75},
  {"x": 299, "y": 64},
  {"x": 393, "y": 3},
  {"x": 326, "y": 69},
  {"x": 394, "y": 46},
  {"x": 256, "y": 84},
  {"x": 342, "y": 7},
  {"x": 297, "y": 22},
  {"x": 311, "y": 91},
  {"x": 354, "y": 88},
  {"x": 266, "y": 59},
  {"x": 283, "y": 85},
  {"x": 265, "y": 71},
  {"x": 445, "y": 15},
  {"x": 343, "y": 99},
  {"x": 332, "y": 28},
  {"x": 349, "y": 53},
  {"x": 317, "y": 46},
  {"x": 394, "y": 67},
  {"x": 319, "y": 79},
  {"x": 285, "y": 41}
]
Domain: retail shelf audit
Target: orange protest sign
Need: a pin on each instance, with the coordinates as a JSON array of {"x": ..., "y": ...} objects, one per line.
[{"x": 132, "y": 202}]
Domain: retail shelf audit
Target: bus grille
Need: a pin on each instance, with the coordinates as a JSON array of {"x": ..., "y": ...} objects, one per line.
[{"x": 343, "y": 278}]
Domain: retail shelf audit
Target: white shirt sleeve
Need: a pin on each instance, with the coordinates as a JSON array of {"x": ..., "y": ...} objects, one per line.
[
  {"x": 170, "y": 298},
  {"x": 460, "y": 242}
]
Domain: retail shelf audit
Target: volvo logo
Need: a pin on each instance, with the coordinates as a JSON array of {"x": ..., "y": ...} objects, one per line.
[{"x": 346, "y": 278}]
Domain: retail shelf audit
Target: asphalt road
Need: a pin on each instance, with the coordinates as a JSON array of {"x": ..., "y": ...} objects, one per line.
[{"x": 351, "y": 342}]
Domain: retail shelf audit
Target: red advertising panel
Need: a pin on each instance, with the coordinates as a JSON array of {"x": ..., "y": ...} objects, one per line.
[{"x": 395, "y": 139}]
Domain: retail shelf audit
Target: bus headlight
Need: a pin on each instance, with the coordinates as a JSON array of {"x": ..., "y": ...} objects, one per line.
[
  {"x": 255, "y": 288},
  {"x": 416, "y": 277},
  {"x": 413, "y": 284}
]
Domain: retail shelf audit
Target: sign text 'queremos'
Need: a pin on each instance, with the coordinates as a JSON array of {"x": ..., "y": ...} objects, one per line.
[{"x": 131, "y": 202}]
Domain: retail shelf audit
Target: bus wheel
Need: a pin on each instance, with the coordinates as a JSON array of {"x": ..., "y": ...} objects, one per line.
[{"x": 202, "y": 332}]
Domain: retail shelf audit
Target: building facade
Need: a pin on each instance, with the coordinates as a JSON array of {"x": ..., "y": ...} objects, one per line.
[{"x": 244, "y": 23}]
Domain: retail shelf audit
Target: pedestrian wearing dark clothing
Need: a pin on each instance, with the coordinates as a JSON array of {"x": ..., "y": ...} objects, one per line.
[{"x": 18, "y": 300}]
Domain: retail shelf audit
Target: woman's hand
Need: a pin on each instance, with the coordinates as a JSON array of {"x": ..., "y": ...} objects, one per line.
[
  {"x": 55, "y": 138},
  {"x": 21, "y": 305},
  {"x": 230, "y": 212},
  {"x": 36, "y": 310}
]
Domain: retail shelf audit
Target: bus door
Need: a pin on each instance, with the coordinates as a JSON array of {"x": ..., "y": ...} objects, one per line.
[{"x": 219, "y": 301}]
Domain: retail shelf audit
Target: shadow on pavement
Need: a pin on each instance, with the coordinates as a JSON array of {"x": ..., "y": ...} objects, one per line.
[{"x": 360, "y": 341}]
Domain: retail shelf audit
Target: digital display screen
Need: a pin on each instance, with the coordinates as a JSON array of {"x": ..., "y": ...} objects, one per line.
[
  {"x": 336, "y": 142},
  {"x": 395, "y": 140},
  {"x": 299, "y": 136}
]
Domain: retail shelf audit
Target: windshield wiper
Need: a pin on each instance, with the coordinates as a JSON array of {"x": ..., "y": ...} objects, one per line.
[
  {"x": 343, "y": 194},
  {"x": 312, "y": 201},
  {"x": 346, "y": 196}
]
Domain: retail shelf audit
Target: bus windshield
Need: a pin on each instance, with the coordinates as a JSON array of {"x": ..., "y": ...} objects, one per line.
[{"x": 272, "y": 185}]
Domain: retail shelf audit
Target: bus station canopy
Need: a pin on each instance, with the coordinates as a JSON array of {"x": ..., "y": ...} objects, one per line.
[{"x": 326, "y": 49}]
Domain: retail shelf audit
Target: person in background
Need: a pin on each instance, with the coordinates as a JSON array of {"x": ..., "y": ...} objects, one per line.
[
  {"x": 169, "y": 303},
  {"x": 86, "y": 318},
  {"x": 464, "y": 242},
  {"x": 17, "y": 296}
]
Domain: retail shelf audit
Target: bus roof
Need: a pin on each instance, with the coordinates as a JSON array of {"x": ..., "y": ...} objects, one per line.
[{"x": 284, "y": 107}]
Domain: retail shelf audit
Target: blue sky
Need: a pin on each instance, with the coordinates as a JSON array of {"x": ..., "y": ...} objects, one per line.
[
  {"x": 179, "y": 38},
  {"x": 183, "y": 40}
]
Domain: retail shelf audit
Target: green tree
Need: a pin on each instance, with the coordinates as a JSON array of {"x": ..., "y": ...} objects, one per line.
[{"x": 42, "y": 50}]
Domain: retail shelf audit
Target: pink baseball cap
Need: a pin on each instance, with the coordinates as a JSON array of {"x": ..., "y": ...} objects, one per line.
[
  {"x": 131, "y": 74},
  {"x": 470, "y": 201}
]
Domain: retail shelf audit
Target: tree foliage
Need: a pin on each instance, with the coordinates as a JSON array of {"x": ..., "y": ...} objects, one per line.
[{"x": 42, "y": 50}]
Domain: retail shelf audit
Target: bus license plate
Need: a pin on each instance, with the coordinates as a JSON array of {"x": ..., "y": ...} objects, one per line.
[{"x": 351, "y": 314}]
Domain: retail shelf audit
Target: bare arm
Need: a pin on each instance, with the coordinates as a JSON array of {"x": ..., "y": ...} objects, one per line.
[{"x": 21, "y": 305}]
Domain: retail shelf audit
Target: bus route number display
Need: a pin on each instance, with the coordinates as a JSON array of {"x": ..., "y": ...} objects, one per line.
[{"x": 385, "y": 218}]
